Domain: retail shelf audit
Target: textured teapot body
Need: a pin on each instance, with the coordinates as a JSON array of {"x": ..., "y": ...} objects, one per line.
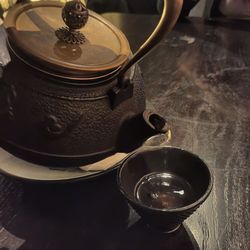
[
  {"x": 49, "y": 118},
  {"x": 72, "y": 95}
]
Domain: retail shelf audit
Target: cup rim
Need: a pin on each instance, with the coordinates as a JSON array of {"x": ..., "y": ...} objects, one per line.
[{"x": 171, "y": 210}]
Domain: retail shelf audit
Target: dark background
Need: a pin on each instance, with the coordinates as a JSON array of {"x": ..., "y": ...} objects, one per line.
[{"x": 146, "y": 6}]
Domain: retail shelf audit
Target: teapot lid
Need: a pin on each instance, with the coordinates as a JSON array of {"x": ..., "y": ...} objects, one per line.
[{"x": 35, "y": 35}]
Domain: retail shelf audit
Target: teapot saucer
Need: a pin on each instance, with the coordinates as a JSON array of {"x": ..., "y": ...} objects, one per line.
[{"x": 15, "y": 167}]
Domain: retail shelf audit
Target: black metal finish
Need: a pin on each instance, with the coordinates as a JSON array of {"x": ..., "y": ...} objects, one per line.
[
  {"x": 75, "y": 15},
  {"x": 165, "y": 160},
  {"x": 65, "y": 125},
  {"x": 118, "y": 94}
]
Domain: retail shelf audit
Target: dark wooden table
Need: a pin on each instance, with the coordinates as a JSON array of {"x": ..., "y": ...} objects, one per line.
[{"x": 199, "y": 79}]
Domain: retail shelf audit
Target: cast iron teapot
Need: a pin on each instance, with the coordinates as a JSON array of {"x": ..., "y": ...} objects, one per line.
[{"x": 72, "y": 94}]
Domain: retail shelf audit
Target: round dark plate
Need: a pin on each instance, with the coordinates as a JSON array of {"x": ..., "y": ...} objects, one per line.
[{"x": 18, "y": 168}]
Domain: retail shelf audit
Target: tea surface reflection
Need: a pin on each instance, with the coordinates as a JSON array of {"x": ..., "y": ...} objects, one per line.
[{"x": 164, "y": 191}]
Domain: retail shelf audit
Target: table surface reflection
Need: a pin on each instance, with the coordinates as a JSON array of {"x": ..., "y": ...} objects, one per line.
[{"x": 198, "y": 78}]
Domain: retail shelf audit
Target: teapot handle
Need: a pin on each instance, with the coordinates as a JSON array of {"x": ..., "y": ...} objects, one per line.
[
  {"x": 170, "y": 14},
  {"x": 124, "y": 89}
]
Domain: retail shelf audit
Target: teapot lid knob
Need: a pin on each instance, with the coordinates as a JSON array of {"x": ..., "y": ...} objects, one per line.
[{"x": 75, "y": 16}]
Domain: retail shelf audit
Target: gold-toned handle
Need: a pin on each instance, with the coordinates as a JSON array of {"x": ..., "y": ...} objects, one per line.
[{"x": 170, "y": 14}]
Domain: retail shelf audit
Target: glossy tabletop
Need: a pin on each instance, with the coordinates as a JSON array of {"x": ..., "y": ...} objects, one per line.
[{"x": 198, "y": 78}]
